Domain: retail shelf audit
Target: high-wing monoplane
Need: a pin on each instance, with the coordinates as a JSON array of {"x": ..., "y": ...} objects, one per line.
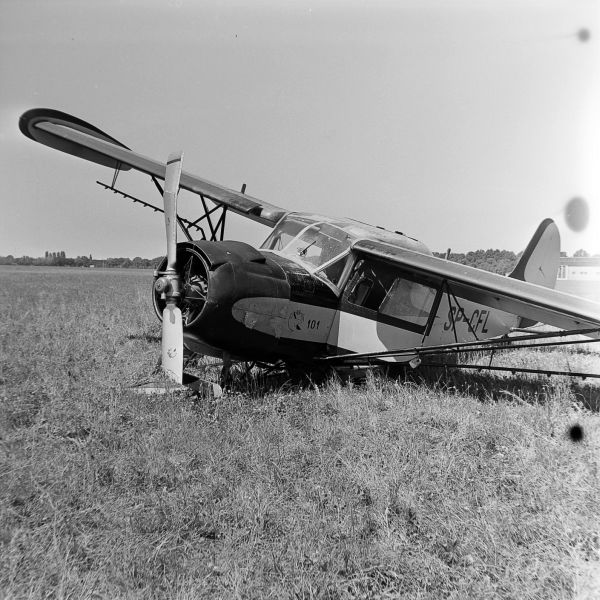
[{"x": 320, "y": 290}]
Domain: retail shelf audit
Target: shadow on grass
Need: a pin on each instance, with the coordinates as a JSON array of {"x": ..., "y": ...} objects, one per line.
[
  {"x": 485, "y": 386},
  {"x": 145, "y": 337},
  {"x": 531, "y": 389}
]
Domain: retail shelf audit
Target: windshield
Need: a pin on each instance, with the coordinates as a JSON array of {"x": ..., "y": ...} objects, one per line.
[
  {"x": 312, "y": 244},
  {"x": 318, "y": 244},
  {"x": 284, "y": 232}
]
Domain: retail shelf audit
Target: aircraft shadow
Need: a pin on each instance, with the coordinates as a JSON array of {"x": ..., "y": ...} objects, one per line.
[{"x": 486, "y": 386}]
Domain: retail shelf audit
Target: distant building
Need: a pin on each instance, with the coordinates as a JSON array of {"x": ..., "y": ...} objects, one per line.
[{"x": 582, "y": 268}]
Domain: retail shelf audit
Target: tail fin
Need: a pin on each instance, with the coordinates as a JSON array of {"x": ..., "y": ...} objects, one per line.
[{"x": 540, "y": 260}]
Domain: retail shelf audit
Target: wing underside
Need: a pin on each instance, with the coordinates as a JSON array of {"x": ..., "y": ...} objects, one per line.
[
  {"x": 74, "y": 136},
  {"x": 503, "y": 293}
]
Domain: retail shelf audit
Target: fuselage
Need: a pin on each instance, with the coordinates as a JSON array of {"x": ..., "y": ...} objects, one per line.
[{"x": 308, "y": 293}]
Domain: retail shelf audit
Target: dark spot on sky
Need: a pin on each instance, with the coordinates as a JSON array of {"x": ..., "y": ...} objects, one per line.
[
  {"x": 576, "y": 433},
  {"x": 577, "y": 214},
  {"x": 583, "y": 35}
]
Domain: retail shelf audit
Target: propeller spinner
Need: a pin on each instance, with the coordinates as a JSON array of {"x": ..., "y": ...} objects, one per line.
[{"x": 169, "y": 284}]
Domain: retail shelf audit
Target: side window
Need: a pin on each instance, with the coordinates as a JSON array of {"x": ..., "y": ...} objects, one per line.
[
  {"x": 383, "y": 288},
  {"x": 370, "y": 284},
  {"x": 409, "y": 301}
]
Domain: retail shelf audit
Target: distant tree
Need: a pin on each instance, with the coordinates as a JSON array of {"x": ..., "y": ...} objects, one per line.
[
  {"x": 140, "y": 263},
  {"x": 81, "y": 261},
  {"x": 496, "y": 261},
  {"x": 581, "y": 252}
]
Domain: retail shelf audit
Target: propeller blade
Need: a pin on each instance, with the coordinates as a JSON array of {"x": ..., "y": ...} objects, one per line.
[
  {"x": 172, "y": 325},
  {"x": 172, "y": 176},
  {"x": 172, "y": 342}
]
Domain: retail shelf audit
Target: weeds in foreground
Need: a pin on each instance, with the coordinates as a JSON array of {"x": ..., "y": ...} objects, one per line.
[{"x": 383, "y": 490}]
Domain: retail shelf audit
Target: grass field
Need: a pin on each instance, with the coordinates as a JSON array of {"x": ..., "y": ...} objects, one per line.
[{"x": 467, "y": 486}]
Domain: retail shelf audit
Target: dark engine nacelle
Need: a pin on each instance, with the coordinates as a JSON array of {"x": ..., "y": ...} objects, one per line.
[{"x": 214, "y": 276}]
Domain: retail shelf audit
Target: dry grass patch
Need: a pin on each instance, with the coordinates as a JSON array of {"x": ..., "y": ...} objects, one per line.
[{"x": 385, "y": 490}]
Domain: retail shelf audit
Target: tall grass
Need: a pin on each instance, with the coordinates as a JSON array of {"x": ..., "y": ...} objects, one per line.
[{"x": 417, "y": 490}]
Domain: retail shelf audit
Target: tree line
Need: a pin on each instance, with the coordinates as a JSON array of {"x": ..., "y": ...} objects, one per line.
[
  {"x": 59, "y": 259},
  {"x": 496, "y": 261}
]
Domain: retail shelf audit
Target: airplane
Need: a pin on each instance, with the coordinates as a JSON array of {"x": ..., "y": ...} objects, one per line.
[{"x": 319, "y": 292}]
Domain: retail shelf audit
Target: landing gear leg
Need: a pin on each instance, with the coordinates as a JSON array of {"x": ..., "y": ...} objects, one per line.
[{"x": 226, "y": 370}]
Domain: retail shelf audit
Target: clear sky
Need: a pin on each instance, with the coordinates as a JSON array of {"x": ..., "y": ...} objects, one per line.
[{"x": 462, "y": 123}]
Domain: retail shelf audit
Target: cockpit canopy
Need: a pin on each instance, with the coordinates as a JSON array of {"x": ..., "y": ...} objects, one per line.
[
  {"x": 314, "y": 243},
  {"x": 321, "y": 244}
]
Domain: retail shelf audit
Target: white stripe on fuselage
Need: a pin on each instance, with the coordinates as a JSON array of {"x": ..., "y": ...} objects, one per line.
[
  {"x": 354, "y": 333},
  {"x": 305, "y": 322},
  {"x": 291, "y": 320}
]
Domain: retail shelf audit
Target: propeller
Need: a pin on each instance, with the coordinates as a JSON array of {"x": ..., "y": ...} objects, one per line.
[{"x": 169, "y": 284}]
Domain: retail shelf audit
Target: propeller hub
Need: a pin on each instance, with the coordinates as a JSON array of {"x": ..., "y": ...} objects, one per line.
[{"x": 168, "y": 285}]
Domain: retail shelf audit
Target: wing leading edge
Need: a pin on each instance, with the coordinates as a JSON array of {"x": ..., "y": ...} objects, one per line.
[
  {"x": 504, "y": 293},
  {"x": 74, "y": 136}
]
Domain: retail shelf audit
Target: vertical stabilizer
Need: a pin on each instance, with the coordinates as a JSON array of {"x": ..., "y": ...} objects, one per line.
[{"x": 539, "y": 263}]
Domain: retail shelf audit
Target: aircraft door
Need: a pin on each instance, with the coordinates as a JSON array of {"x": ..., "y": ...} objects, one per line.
[
  {"x": 383, "y": 291},
  {"x": 382, "y": 307}
]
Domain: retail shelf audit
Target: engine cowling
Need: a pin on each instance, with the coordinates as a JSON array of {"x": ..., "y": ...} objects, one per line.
[
  {"x": 194, "y": 284},
  {"x": 214, "y": 276}
]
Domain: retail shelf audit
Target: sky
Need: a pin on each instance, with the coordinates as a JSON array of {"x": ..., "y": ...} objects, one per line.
[{"x": 463, "y": 123}]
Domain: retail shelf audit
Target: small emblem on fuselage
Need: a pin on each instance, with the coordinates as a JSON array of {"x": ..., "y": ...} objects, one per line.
[{"x": 296, "y": 320}]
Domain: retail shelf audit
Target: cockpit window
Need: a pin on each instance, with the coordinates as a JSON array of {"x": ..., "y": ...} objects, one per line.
[
  {"x": 313, "y": 244},
  {"x": 319, "y": 244},
  {"x": 284, "y": 232}
]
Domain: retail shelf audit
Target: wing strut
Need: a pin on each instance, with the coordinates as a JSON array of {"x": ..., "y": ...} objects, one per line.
[
  {"x": 446, "y": 287},
  {"x": 216, "y": 227},
  {"x": 495, "y": 343},
  {"x": 514, "y": 370},
  {"x": 183, "y": 223}
]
